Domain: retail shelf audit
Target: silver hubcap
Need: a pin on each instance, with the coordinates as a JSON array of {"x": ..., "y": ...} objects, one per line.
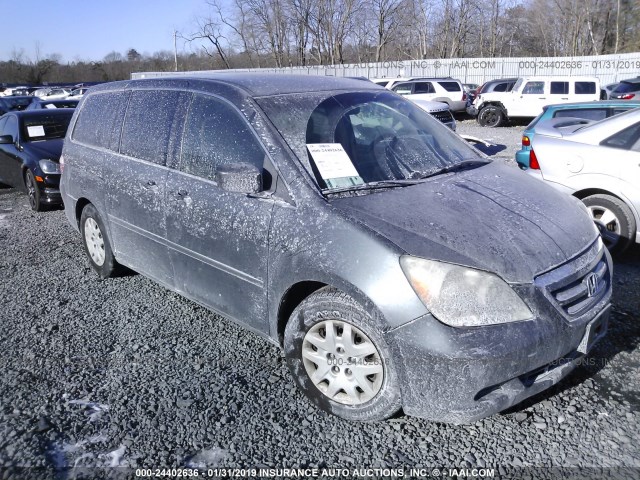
[
  {"x": 94, "y": 240},
  {"x": 342, "y": 362},
  {"x": 607, "y": 223}
]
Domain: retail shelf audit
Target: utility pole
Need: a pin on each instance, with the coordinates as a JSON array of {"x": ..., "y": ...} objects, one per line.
[{"x": 175, "y": 49}]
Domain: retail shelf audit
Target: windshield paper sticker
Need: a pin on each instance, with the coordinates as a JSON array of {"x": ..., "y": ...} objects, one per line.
[
  {"x": 35, "y": 131},
  {"x": 334, "y": 165}
]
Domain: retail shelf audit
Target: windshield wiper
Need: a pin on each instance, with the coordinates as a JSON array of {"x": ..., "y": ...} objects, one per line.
[
  {"x": 373, "y": 185},
  {"x": 453, "y": 168}
]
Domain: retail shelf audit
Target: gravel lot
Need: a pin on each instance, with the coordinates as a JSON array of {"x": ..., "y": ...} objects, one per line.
[{"x": 124, "y": 373}]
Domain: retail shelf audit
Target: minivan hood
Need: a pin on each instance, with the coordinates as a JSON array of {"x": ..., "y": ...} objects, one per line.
[
  {"x": 51, "y": 149},
  {"x": 493, "y": 218}
]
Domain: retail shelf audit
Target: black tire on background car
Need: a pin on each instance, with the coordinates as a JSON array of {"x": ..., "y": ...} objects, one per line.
[
  {"x": 491, "y": 116},
  {"x": 96, "y": 243},
  {"x": 338, "y": 357},
  {"x": 614, "y": 219},
  {"x": 33, "y": 192}
]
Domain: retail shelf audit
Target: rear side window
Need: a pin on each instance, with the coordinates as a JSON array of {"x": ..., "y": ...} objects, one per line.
[
  {"x": 147, "y": 125},
  {"x": 533, "y": 88},
  {"x": 100, "y": 120},
  {"x": 424, "y": 87},
  {"x": 627, "y": 139},
  {"x": 559, "y": 88},
  {"x": 586, "y": 113},
  {"x": 501, "y": 87},
  {"x": 451, "y": 86},
  {"x": 585, "y": 88},
  {"x": 216, "y": 134}
]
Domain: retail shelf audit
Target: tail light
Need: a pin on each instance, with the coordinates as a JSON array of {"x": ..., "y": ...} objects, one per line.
[
  {"x": 61, "y": 164},
  {"x": 464, "y": 96},
  {"x": 533, "y": 161},
  {"x": 627, "y": 96},
  {"x": 526, "y": 141}
]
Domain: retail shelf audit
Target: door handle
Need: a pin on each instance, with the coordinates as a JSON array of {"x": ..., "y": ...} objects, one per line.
[
  {"x": 564, "y": 98},
  {"x": 542, "y": 98}
]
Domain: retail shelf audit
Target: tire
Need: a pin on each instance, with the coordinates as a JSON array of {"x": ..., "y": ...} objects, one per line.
[
  {"x": 614, "y": 219},
  {"x": 96, "y": 243},
  {"x": 491, "y": 116},
  {"x": 372, "y": 388},
  {"x": 33, "y": 191}
]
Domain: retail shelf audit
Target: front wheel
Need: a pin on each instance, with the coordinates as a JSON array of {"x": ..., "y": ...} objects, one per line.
[
  {"x": 339, "y": 358},
  {"x": 491, "y": 116},
  {"x": 614, "y": 219},
  {"x": 33, "y": 191},
  {"x": 96, "y": 243}
]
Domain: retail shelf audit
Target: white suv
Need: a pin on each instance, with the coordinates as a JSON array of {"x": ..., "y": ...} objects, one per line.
[
  {"x": 530, "y": 94},
  {"x": 447, "y": 90}
]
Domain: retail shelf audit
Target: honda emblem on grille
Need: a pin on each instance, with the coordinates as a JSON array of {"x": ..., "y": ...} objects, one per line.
[{"x": 592, "y": 284}]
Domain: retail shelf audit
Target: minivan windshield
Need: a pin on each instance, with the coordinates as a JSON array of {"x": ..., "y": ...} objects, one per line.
[{"x": 368, "y": 138}]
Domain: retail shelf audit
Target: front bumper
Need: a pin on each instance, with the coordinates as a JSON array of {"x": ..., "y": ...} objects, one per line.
[{"x": 460, "y": 375}]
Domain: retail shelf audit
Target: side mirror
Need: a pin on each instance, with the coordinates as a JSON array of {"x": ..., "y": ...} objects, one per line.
[
  {"x": 239, "y": 178},
  {"x": 5, "y": 139}
]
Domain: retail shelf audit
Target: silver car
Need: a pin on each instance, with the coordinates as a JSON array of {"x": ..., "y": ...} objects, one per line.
[{"x": 598, "y": 163}]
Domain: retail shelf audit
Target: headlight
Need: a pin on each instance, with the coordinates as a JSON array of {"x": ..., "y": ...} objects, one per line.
[
  {"x": 49, "y": 166},
  {"x": 463, "y": 297}
]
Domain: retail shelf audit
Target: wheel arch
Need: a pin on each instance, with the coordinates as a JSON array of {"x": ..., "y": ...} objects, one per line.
[
  {"x": 80, "y": 204},
  {"x": 296, "y": 293}
]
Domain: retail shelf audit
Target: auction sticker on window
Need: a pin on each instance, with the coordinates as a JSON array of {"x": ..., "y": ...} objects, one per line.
[
  {"x": 35, "y": 131},
  {"x": 334, "y": 165}
]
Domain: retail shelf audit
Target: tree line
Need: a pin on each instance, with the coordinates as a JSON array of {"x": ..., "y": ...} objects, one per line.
[{"x": 281, "y": 33}]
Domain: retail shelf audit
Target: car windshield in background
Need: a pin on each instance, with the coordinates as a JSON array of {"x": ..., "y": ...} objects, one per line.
[
  {"x": 625, "y": 87},
  {"x": 350, "y": 140},
  {"x": 44, "y": 127}
]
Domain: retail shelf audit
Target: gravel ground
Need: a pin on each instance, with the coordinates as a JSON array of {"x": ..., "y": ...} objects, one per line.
[{"x": 124, "y": 373}]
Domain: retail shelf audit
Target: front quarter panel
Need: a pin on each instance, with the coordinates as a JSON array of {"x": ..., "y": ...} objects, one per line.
[{"x": 315, "y": 242}]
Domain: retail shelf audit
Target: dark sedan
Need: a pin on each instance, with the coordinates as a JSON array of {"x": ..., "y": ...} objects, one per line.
[
  {"x": 30, "y": 148},
  {"x": 51, "y": 104},
  {"x": 12, "y": 104}
]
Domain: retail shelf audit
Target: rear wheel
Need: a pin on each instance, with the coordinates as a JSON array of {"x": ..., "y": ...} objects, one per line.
[
  {"x": 491, "y": 116},
  {"x": 614, "y": 219},
  {"x": 339, "y": 359},
  {"x": 96, "y": 243},
  {"x": 33, "y": 191}
]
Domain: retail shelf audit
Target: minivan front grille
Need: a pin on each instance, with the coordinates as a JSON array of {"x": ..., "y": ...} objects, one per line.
[
  {"x": 443, "y": 116},
  {"x": 580, "y": 284}
]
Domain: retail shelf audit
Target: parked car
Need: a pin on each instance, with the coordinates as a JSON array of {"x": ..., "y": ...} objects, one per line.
[
  {"x": 627, "y": 90},
  {"x": 11, "y": 104},
  {"x": 51, "y": 93},
  {"x": 500, "y": 85},
  {"x": 30, "y": 147},
  {"x": 593, "y": 111},
  {"x": 345, "y": 224},
  {"x": 438, "y": 110},
  {"x": 599, "y": 164},
  {"x": 63, "y": 103},
  {"x": 77, "y": 93},
  {"x": 447, "y": 90},
  {"x": 530, "y": 94},
  {"x": 605, "y": 92}
]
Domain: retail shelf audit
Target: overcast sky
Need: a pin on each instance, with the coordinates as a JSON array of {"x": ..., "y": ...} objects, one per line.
[{"x": 91, "y": 29}]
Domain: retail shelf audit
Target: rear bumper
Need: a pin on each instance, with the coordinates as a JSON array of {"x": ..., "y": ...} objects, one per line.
[
  {"x": 473, "y": 111},
  {"x": 458, "y": 106},
  {"x": 522, "y": 158}
]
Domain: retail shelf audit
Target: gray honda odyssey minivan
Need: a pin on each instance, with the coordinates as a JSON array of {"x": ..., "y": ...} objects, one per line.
[{"x": 395, "y": 265}]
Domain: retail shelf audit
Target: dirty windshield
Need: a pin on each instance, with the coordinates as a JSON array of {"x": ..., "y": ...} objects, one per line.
[{"x": 370, "y": 138}]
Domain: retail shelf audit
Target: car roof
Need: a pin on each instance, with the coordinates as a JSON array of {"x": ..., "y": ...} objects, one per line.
[
  {"x": 45, "y": 112},
  {"x": 598, "y": 104},
  {"x": 254, "y": 84}
]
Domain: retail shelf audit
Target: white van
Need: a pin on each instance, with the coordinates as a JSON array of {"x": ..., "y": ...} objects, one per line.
[{"x": 530, "y": 94}]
